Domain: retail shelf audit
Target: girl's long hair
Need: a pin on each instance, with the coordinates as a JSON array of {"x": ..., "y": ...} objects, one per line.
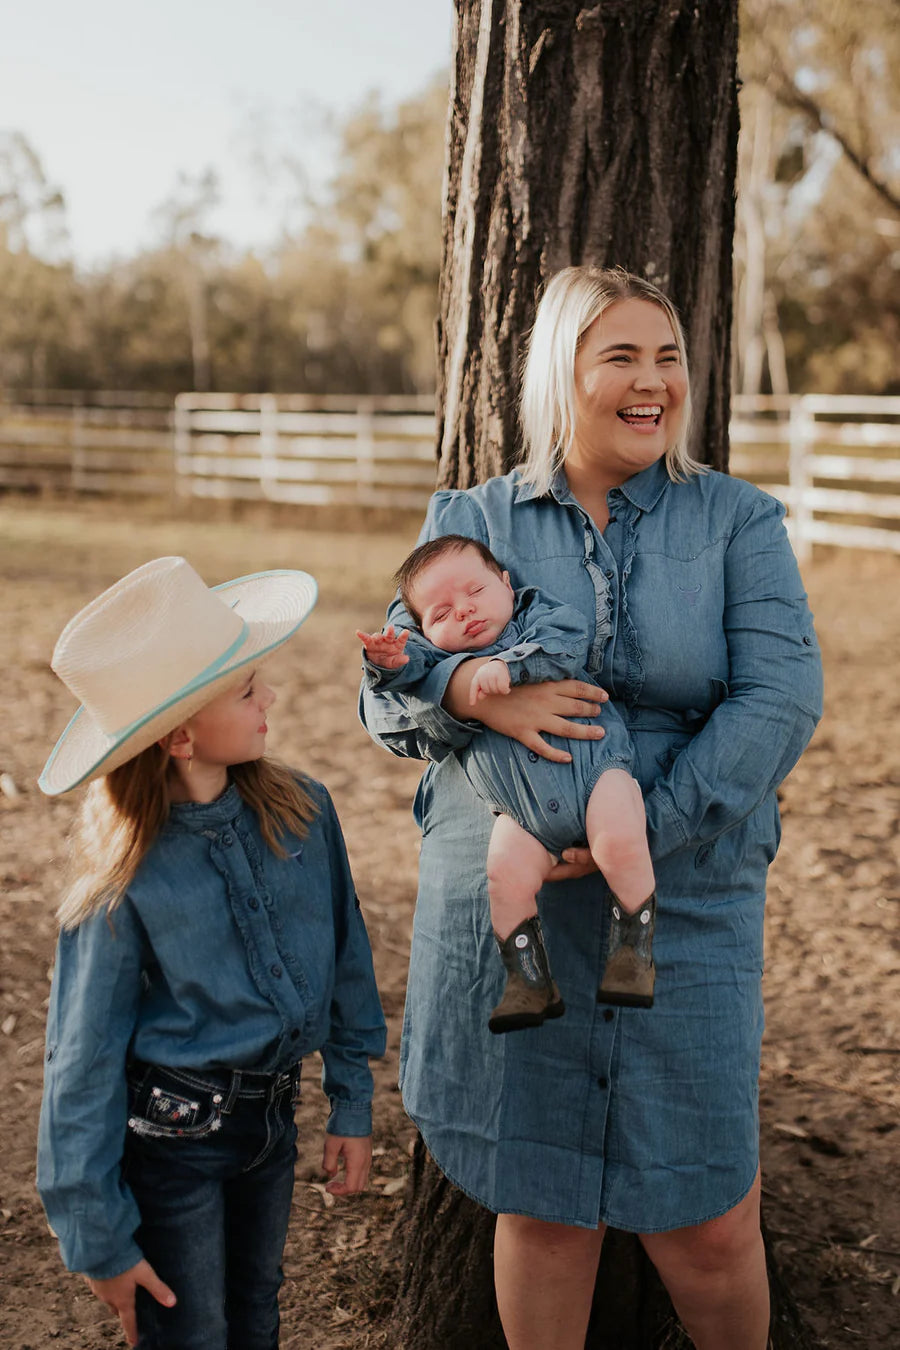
[{"x": 123, "y": 813}]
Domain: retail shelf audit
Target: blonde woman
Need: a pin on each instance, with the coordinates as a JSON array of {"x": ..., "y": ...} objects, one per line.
[
  {"x": 210, "y": 939},
  {"x": 645, "y": 1120}
]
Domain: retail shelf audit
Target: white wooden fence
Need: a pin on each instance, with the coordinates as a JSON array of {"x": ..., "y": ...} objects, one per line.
[{"x": 835, "y": 461}]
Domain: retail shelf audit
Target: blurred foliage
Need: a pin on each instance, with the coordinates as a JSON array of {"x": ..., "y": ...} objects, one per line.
[
  {"x": 817, "y": 246},
  {"x": 346, "y": 302}
]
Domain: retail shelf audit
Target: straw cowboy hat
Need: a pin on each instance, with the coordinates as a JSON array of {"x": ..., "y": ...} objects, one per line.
[{"x": 153, "y": 650}]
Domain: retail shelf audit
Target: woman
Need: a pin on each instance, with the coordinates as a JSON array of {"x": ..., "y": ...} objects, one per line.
[{"x": 642, "y": 1119}]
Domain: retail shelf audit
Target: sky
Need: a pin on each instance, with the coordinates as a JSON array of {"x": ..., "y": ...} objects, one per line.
[{"x": 119, "y": 99}]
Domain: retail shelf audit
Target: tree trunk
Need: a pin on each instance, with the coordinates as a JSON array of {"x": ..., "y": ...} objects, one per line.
[
  {"x": 602, "y": 133},
  {"x": 582, "y": 133}
]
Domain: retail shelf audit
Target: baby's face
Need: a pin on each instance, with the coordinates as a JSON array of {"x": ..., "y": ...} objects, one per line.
[{"x": 463, "y": 603}]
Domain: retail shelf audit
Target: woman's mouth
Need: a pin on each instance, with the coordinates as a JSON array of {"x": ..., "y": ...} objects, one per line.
[{"x": 642, "y": 416}]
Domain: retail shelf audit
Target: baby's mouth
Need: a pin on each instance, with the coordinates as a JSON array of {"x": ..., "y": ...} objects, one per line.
[{"x": 641, "y": 415}]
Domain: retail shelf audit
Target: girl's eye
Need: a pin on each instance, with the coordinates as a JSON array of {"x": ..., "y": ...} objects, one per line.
[{"x": 249, "y": 693}]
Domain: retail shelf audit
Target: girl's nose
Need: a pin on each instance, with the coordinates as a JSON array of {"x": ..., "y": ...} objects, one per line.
[{"x": 267, "y": 696}]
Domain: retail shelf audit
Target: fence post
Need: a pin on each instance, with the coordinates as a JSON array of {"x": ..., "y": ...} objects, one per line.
[
  {"x": 268, "y": 446},
  {"x": 182, "y": 445},
  {"x": 802, "y": 434},
  {"x": 365, "y": 450}
]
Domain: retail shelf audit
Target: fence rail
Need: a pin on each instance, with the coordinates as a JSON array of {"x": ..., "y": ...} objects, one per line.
[{"x": 834, "y": 461}]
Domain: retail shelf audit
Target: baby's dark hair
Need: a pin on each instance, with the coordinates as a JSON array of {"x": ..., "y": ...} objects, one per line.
[{"x": 420, "y": 558}]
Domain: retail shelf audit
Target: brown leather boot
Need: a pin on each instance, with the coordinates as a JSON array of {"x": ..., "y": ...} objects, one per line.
[
  {"x": 630, "y": 973},
  {"x": 530, "y": 995}
]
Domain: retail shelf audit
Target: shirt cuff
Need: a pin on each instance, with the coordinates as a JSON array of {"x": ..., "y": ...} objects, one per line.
[{"x": 352, "y": 1120}]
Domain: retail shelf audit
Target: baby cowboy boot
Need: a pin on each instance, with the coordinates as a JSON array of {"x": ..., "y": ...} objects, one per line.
[
  {"x": 630, "y": 973},
  {"x": 530, "y": 995}
]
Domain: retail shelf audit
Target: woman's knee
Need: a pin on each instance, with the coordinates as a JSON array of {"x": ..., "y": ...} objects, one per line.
[{"x": 718, "y": 1247}]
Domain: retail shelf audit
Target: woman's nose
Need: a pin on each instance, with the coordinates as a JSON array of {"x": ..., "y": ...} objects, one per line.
[{"x": 649, "y": 377}]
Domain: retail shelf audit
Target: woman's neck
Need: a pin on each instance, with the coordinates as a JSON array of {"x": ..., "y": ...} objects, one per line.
[{"x": 590, "y": 490}]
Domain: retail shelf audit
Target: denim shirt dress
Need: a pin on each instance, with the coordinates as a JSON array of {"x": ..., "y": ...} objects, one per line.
[
  {"x": 221, "y": 955},
  {"x": 544, "y": 640},
  {"x": 645, "y": 1119}
]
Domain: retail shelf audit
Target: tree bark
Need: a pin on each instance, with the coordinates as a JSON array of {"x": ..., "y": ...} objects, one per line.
[
  {"x": 582, "y": 133},
  {"x": 598, "y": 133}
]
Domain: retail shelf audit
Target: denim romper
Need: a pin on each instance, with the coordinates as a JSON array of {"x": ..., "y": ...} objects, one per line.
[
  {"x": 544, "y": 640},
  {"x": 700, "y": 631}
]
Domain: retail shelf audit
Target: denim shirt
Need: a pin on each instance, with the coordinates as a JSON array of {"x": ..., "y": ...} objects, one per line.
[
  {"x": 220, "y": 955},
  {"x": 700, "y": 631}
]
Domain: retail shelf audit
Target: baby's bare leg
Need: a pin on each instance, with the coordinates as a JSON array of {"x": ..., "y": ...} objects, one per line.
[
  {"x": 617, "y": 835},
  {"x": 517, "y": 867}
]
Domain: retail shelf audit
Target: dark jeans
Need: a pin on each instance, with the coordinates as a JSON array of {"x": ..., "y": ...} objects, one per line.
[{"x": 210, "y": 1161}]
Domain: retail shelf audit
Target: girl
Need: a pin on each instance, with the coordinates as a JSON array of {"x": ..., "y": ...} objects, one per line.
[{"x": 210, "y": 938}]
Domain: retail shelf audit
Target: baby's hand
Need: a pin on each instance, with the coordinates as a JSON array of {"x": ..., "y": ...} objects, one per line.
[
  {"x": 385, "y": 650},
  {"x": 492, "y": 678}
]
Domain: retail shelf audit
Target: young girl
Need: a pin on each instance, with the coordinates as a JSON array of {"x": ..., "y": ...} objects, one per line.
[
  {"x": 465, "y": 608},
  {"x": 210, "y": 939}
]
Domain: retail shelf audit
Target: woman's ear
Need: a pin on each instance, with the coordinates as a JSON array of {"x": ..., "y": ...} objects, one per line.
[{"x": 178, "y": 743}]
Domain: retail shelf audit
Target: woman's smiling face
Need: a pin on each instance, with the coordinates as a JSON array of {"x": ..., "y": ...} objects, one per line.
[{"x": 630, "y": 390}]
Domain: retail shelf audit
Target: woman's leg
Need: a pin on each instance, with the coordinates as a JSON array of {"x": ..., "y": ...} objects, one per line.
[
  {"x": 716, "y": 1277},
  {"x": 617, "y": 834},
  {"x": 544, "y": 1275}
]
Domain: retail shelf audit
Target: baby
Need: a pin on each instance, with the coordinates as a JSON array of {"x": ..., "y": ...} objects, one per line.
[{"x": 465, "y": 608}]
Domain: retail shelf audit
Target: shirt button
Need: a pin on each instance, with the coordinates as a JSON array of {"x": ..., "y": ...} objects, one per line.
[
  {"x": 295, "y": 1033},
  {"x": 608, "y": 1014},
  {"x": 553, "y": 806},
  {"x": 276, "y": 971},
  {"x": 523, "y": 678},
  {"x": 603, "y": 1082},
  {"x": 807, "y": 642},
  {"x": 533, "y": 756},
  {"x": 609, "y": 575},
  {"x": 253, "y": 902},
  {"x": 227, "y": 840}
]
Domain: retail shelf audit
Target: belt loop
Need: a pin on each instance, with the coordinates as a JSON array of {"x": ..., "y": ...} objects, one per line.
[{"x": 234, "y": 1088}]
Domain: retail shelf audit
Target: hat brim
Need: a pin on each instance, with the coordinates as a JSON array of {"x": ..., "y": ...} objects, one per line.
[{"x": 273, "y": 606}]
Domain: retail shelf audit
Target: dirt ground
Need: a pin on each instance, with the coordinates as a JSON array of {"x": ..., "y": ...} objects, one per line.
[{"x": 830, "y": 1088}]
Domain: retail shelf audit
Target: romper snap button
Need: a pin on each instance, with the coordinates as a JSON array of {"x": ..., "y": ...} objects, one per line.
[{"x": 217, "y": 1099}]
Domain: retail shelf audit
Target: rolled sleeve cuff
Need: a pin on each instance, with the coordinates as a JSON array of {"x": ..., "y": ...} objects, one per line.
[
  {"x": 665, "y": 829},
  {"x": 108, "y": 1270},
  {"x": 351, "y": 1120}
]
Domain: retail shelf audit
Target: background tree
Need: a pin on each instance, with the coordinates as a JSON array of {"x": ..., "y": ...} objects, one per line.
[{"x": 599, "y": 135}]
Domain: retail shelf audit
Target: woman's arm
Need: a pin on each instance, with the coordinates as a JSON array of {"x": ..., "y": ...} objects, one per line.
[
  {"x": 529, "y": 710},
  {"x": 753, "y": 739}
]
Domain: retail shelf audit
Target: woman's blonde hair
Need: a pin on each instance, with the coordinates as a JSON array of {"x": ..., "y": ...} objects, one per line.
[
  {"x": 574, "y": 298},
  {"x": 123, "y": 813}
]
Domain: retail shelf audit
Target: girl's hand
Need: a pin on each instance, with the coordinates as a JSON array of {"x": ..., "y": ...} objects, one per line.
[
  {"x": 573, "y": 863},
  {"x": 118, "y": 1294},
  {"x": 351, "y": 1153},
  {"x": 529, "y": 710},
  {"x": 490, "y": 679},
  {"x": 385, "y": 649}
]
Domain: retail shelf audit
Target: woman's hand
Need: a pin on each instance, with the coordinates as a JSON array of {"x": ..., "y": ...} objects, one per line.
[
  {"x": 118, "y": 1294},
  {"x": 354, "y": 1154},
  {"x": 529, "y": 710},
  {"x": 573, "y": 863}
]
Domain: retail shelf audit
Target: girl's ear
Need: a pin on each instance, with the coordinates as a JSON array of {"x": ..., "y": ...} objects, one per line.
[{"x": 178, "y": 743}]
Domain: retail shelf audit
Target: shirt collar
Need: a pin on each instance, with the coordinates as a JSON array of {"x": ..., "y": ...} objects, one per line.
[
  {"x": 194, "y": 817},
  {"x": 643, "y": 489}
]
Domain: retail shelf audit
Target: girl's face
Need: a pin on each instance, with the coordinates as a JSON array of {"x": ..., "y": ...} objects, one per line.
[
  {"x": 232, "y": 728},
  {"x": 630, "y": 390}
]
